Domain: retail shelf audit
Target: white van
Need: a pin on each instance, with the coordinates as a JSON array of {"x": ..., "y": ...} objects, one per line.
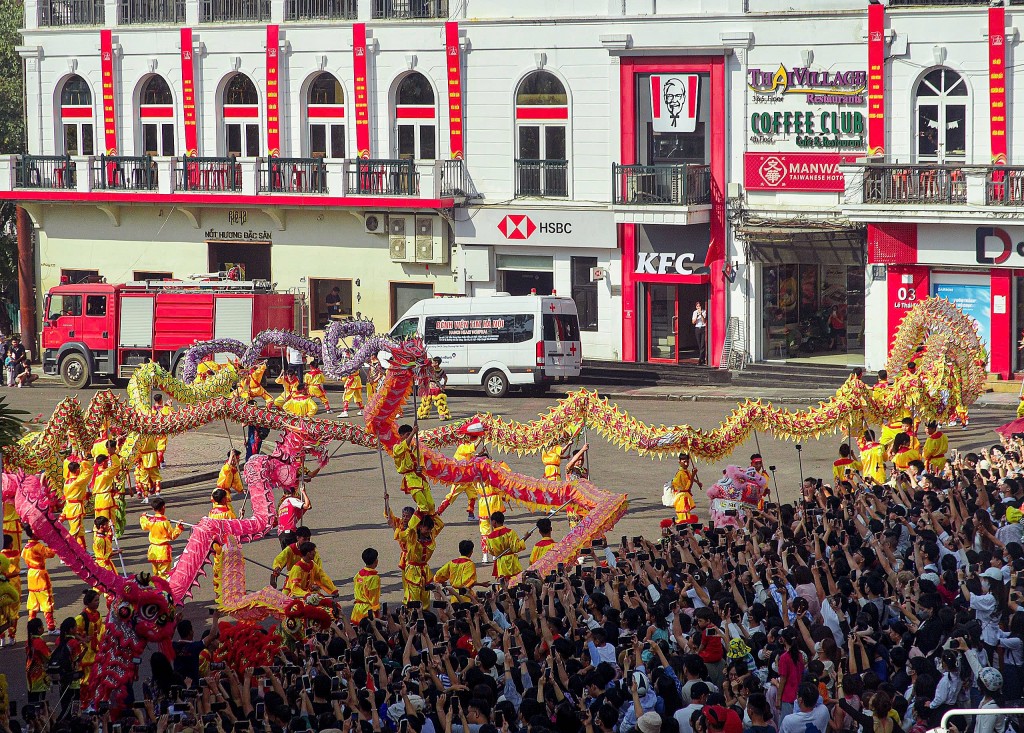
[{"x": 499, "y": 340}]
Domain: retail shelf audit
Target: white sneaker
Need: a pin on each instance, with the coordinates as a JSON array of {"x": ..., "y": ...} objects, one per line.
[
  {"x": 343, "y": 413},
  {"x": 360, "y": 412},
  {"x": 327, "y": 411},
  {"x": 486, "y": 558}
]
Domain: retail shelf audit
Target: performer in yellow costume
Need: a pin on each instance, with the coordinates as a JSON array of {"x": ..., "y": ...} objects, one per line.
[
  {"x": 306, "y": 576},
  {"x": 406, "y": 455},
  {"x": 353, "y": 392},
  {"x": 40, "y": 589},
  {"x": 251, "y": 385},
  {"x": 12, "y": 524},
  {"x": 504, "y": 544},
  {"x": 545, "y": 543},
  {"x": 366, "y": 587},
  {"x": 206, "y": 368},
  {"x": 230, "y": 478},
  {"x": 221, "y": 509},
  {"x": 89, "y": 629},
  {"x": 460, "y": 574},
  {"x": 435, "y": 393},
  {"x": 13, "y": 575},
  {"x": 103, "y": 491},
  {"x": 552, "y": 458},
  {"x": 682, "y": 488},
  {"x": 290, "y": 555},
  {"x": 289, "y": 383},
  {"x": 103, "y": 543},
  {"x": 76, "y": 488},
  {"x": 164, "y": 409},
  {"x": 301, "y": 404},
  {"x": 902, "y": 453},
  {"x": 872, "y": 457},
  {"x": 491, "y": 502},
  {"x": 147, "y": 467},
  {"x": 161, "y": 532},
  {"x": 418, "y": 540},
  {"x": 935, "y": 448},
  {"x": 845, "y": 462},
  {"x": 314, "y": 381},
  {"x": 472, "y": 446}
]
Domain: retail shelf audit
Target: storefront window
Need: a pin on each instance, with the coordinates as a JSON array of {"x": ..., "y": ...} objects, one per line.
[{"x": 584, "y": 292}]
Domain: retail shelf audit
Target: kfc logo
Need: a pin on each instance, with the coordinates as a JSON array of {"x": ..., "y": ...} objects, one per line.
[
  {"x": 674, "y": 102},
  {"x": 517, "y": 226}
]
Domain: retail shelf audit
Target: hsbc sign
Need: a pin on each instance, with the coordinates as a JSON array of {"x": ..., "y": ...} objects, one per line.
[
  {"x": 567, "y": 226},
  {"x": 521, "y": 226},
  {"x": 664, "y": 263}
]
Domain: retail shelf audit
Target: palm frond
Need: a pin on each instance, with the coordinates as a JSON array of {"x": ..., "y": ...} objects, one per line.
[{"x": 12, "y": 424}]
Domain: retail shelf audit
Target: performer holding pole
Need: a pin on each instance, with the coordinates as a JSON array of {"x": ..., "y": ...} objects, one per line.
[{"x": 161, "y": 532}]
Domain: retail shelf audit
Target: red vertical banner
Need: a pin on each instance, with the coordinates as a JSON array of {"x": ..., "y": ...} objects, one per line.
[
  {"x": 362, "y": 93},
  {"x": 188, "y": 93},
  {"x": 273, "y": 94},
  {"x": 107, "y": 72},
  {"x": 453, "y": 54},
  {"x": 997, "y": 82},
  {"x": 876, "y": 79}
]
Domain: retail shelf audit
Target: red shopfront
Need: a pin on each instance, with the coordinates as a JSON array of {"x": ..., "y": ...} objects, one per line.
[
  {"x": 661, "y": 282},
  {"x": 980, "y": 268}
]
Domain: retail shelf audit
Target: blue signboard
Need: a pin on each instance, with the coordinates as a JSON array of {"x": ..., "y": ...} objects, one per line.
[{"x": 974, "y": 300}]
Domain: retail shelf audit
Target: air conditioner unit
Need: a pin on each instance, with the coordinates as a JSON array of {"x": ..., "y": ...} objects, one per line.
[
  {"x": 431, "y": 243},
  {"x": 376, "y": 223},
  {"x": 402, "y": 249}
]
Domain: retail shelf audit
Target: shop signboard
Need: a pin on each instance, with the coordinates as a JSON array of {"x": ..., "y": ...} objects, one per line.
[
  {"x": 970, "y": 246},
  {"x": 530, "y": 227},
  {"x": 674, "y": 100},
  {"x": 794, "y": 171},
  {"x": 974, "y": 299}
]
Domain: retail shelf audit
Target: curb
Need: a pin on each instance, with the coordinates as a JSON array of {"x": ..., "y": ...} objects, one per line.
[
  {"x": 784, "y": 400},
  {"x": 189, "y": 480}
]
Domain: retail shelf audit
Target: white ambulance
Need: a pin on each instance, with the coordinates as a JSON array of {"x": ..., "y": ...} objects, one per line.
[{"x": 499, "y": 341}]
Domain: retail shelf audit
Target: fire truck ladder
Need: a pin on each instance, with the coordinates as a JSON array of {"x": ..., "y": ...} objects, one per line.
[{"x": 214, "y": 284}]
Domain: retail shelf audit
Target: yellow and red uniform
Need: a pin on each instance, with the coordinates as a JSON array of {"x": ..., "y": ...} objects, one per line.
[
  {"x": 552, "y": 460},
  {"x": 40, "y": 589},
  {"x": 160, "y": 442},
  {"x": 490, "y": 501},
  {"x": 306, "y": 577},
  {"x": 407, "y": 461},
  {"x": 219, "y": 511},
  {"x": 904, "y": 456},
  {"x": 872, "y": 456},
  {"x": 103, "y": 491},
  {"x": 103, "y": 547},
  {"x": 147, "y": 468},
  {"x": 353, "y": 390},
  {"x": 367, "y": 594},
  {"x": 13, "y": 575},
  {"x": 505, "y": 540},
  {"x": 289, "y": 383},
  {"x": 841, "y": 465},
  {"x": 12, "y": 523},
  {"x": 230, "y": 479},
  {"x": 300, "y": 404},
  {"x": 682, "y": 487},
  {"x": 416, "y": 573},
  {"x": 395, "y": 522},
  {"x": 460, "y": 573},
  {"x": 314, "y": 381},
  {"x": 89, "y": 627},
  {"x": 161, "y": 532},
  {"x": 465, "y": 452},
  {"x": 76, "y": 489},
  {"x": 251, "y": 386},
  {"x": 935, "y": 448},
  {"x": 10, "y": 600},
  {"x": 542, "y": 548}
]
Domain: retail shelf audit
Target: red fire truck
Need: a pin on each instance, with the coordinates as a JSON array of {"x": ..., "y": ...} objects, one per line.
[{"x": 96, "y": 329}]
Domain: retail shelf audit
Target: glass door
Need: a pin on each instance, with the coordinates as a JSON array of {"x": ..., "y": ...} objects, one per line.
[{"x": 662, "y": 323}]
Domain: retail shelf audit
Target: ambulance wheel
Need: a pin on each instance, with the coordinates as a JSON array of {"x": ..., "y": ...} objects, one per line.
[
  {"x": 74, "y": 370},
  {"x": 495, "y": 383}
]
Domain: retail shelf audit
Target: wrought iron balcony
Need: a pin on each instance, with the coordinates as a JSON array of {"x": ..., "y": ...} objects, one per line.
[
  {"x": 455, "y": 180},
  {"x": 45, "y": 171},
  {"x": 398, "y": 9},
  {"x": 123, "y": 173},
  {"x": 293, "y": 175},
  {"x": 383, "y": 178},
  {"x": 53, "y": 13},
  {"x": 234, "y": 11},
  {"x": 543, "y": 178},
  {"x": 320, "y": 10},
  {"x": 132, "y": 12},
  {"x": 208, "y": 175},
  {"x": 914, "y": 184},
  {"x": 677, "y": 184}
]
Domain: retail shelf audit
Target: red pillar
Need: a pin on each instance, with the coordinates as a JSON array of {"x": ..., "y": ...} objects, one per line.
[
  {"x": 1001, "y": 338},
  {"x": 718, "y": 248},
  {"x": 27, "y": 282}
]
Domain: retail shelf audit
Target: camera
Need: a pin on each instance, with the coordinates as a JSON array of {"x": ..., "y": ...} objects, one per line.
[{"x": 771, "y": 468}]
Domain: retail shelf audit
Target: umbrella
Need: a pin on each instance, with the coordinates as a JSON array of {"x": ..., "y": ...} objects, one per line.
[{"x": 1014, "y": 426}]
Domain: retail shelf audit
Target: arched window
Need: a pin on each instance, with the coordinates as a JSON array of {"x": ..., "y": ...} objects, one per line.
[
  {"x": 542, "y": 121},
  {"x": 156, "y": 117},
  {"x": 416, "y": 118},
  {"x": 76, "y": 117},
  {"x": 325, "y": 117},
  {"x": 941, "y": 100},
  {"x": 240, "y": 108}
]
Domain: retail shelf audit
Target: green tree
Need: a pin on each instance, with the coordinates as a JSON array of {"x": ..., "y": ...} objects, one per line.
[{"x": 12, "y": 140}]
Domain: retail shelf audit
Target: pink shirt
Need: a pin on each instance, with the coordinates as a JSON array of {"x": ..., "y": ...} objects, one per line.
[{"x": 792, "y": 672}]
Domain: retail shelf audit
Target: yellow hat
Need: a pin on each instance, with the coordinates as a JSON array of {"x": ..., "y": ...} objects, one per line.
[{"x": 1013, "y": 514}]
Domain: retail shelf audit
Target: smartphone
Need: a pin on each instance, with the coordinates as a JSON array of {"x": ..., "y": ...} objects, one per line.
[
  {"x": 438, "y": 604},
  {"x": 421, "y": 626},
  {"x": 335, "y": 684},
  {"x": 189, "y": 694},
  {"x": 260, "y": 709},
  {"x": 139, "y": 704},
  {"x": 241, "y": 725},
  {"x": 306, "y": 685},
  {"x": 414, "y": 604},
  {"x": 218, "y": 706},
  {"x": 210, "y": 718},
  {"x": 267, "y": 684}
]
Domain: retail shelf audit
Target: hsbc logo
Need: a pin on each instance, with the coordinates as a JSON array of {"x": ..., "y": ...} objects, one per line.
[{"x": 520, "y": 226}]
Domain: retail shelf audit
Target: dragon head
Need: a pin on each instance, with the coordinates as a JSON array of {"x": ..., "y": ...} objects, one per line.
[
  {"x": 411, "y": 355},
  {"x": 146, "y": 604}
]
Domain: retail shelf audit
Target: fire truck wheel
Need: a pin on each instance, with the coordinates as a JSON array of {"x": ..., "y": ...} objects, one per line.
[{"x": 74, "y": 370}]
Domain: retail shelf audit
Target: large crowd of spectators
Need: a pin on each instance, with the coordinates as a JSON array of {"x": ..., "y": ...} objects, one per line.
[{"x": 861, "y": 608}]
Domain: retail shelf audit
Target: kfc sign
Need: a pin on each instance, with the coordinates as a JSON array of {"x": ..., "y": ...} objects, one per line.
[
  {"x": 674, "y": 100},
  {"x": 664, "y": 263}
]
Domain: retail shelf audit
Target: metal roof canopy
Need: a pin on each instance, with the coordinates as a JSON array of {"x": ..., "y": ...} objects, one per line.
[{"x": 785, "y": 245}]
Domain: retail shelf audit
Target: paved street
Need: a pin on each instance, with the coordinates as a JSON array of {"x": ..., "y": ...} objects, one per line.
[{"x": 347, "y": 496}]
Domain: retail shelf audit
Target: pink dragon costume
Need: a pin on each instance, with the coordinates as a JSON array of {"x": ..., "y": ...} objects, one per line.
[{"x": 737, "y": 492}]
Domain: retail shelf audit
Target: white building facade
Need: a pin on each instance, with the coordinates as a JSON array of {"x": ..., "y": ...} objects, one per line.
[{"x": 637, "y": 155}]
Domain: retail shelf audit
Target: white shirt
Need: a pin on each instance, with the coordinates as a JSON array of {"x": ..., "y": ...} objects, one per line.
[
  {"x": 699, "y": 318},
  {"x": 295, "y": 356},
  {"x": 682, "y": 717}
]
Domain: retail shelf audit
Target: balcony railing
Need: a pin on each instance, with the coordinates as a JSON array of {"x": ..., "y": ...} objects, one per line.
[
  {"x": 320, "y": 10},
  {"x": 209, "y": 174},
  {"x": 455, "y": 180},
  {"x": 234, "y": 11},
  {"x": 1004, "y": 186},
  {"x": 677, "y": 184},
  {"x": 390, "y": 9},
  {"x": 45, "y": 171},
  {"x": 131, "y": 12},
  {"x": 542, "y": 178},
  {"x": 914, "y": 184},
  {"x": 123, "y": 173},
  {"x": 293, "y": 175},
  {"x": 70, "y": 12},
  {"x": 383, "y": 178}
]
